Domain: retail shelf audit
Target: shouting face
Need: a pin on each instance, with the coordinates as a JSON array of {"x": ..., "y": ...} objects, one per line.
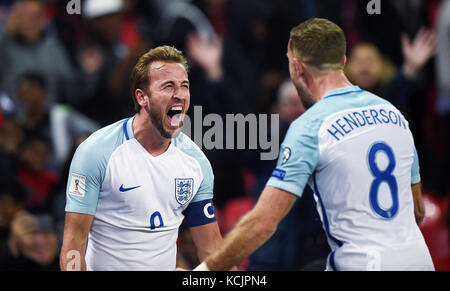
[{"x": 168, "y": 97}]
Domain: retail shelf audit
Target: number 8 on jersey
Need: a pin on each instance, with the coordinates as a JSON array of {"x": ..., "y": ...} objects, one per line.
[{"x": 385, "y": 176}]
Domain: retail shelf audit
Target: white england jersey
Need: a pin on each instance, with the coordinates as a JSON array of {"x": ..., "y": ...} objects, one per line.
[
  {"x": 357, "y": 153},
  {"x": 138, "y": 201}
]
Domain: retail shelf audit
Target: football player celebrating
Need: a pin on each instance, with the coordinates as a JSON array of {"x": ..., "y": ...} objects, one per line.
[
  {"x": 356, "y": 152},
  {"x": 132, "y": 183}
]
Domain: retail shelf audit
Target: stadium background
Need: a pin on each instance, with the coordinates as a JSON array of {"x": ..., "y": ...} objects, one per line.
[{"x": 63, "y": 75}]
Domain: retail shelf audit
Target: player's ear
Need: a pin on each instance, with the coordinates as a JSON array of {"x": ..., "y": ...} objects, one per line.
[
  {"x": 299, "y": 67},
  {"x": 344, "y": 62},
  {"x": 141, "y": 97}
]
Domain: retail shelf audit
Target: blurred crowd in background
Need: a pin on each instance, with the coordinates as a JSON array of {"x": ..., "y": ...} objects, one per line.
[{"x": 63, "y": 76}]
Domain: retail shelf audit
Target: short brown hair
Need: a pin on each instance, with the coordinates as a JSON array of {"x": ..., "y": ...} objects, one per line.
[
  {"x": 140, "y": 75},
  {"x": 319, "y": 43}
]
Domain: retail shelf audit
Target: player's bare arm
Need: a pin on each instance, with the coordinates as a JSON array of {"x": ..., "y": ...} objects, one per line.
[
  {"x": 252, "y": 230},
  {"x": 76, "y": 230},
  {"x": 419, "y": 208},
  {"x": 206, "y": 238}
]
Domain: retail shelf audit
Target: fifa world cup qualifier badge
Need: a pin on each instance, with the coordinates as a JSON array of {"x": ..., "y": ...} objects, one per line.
[{"x": 77, "y": 185}]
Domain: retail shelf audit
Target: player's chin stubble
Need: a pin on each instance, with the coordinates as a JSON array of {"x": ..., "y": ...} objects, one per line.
[
  {"x": 157, "y": 119},
  {"x": 306, "y": 97}
]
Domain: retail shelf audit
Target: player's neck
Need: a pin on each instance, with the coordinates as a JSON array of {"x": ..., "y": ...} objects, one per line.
[
  {"x": 149, "y": 136},
  {"x": 329, "y": 81}
]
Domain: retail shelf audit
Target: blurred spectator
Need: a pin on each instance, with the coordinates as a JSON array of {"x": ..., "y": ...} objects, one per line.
[
  {"x": 289, "y": 105},
  {"x": 101, "y": 90},
  {"x": 369, "y": 70},
  {"x": 443, "y": 85},
  {"x": 443, "y": 59},
  {"x": 12, "y": 200},
  {"x": 32, "y": 245},
  {"x": 210, "y": 88},
  {"x": 70, "y": 28},
  {"x": 207, "y": 55},
  {"x": 416, "y": 54},
  {"x": 397, "y": 17},
  {"x": 35, "y": 175},
  {"x": 59, "y": 124},
  {"x": 177, "y": 19},
  {"x": 255, "y": 43},
  {"x": 30, "y": 45},
  {"x": 299, "y": 242},
  {"x": 252, "y": 57},
  {"x": 10, "y": 139},
  {"x": 7, "y": 106},
  {"x": 217, "y": 13},
  {"x": 211, "y": 83},
  {"x": 32, "y": 96}
]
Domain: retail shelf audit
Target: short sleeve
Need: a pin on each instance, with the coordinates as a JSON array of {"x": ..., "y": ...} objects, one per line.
[
  {"x": 415, "y": 170},
  {"x": 206, "y": 189},
  {"x": 299, "y": 155},
  {"x": 84, "y": 182}
]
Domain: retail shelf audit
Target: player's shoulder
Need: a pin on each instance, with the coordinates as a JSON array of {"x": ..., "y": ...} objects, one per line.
[
  {"x": 103, "y": 142},
  {"x": 188, "y": 147},
  {"x": 309, "y": 122},
  {"x": 336, "y": 101},
  {"x": 185, "y": 144}
]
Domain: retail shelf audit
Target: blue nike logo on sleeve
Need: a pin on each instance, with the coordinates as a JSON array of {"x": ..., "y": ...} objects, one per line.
[{"x": 122, "y": 189}]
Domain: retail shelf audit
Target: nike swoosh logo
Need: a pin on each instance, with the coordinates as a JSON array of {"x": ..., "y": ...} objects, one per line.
[{"x": 122, "y": 189}]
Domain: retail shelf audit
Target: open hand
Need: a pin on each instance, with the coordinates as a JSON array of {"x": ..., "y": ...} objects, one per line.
[
  {"x": 207, "y": 55},
  {"x": 418, "y": 52}
]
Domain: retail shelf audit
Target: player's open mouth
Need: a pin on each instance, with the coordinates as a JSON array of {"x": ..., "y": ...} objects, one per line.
[{"x": 175, "y": 115}]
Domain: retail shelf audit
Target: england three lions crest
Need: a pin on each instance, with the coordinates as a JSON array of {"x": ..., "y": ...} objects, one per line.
[{"x": 184, "y": 188}]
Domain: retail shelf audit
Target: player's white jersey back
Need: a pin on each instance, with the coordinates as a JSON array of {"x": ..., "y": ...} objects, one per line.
[
  {"x": 361, "y": 160},
  {"x": 363, "y": 181}
]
